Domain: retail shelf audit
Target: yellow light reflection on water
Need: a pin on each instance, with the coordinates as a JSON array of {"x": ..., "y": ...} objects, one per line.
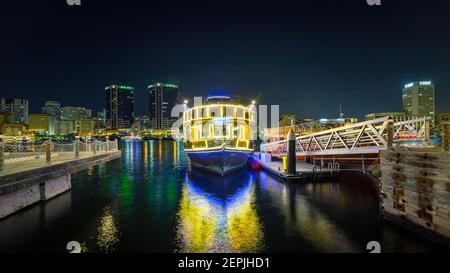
[
  {"x": 197, "y": 225},
  {"x": 174, "y": 152},
  {"x": 146, "y": 154},
  {"x": 107, "y": 232},
  {"x": 244, "y": 228},
  {"x": 210, "y": 224},
  {"x": 160, "y": 152}
]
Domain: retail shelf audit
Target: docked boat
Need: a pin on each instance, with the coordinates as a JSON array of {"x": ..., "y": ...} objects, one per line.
[
  {"x": 219, "y": 134},
  {"x": 131, "y": 138}
]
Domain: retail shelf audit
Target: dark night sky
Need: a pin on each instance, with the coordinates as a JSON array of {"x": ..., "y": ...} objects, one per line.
[{"x": 306, "y": 56}]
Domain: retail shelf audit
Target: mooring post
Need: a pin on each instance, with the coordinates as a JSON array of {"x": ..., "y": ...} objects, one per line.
[
  {"x": 107, "y": 145},
  {"x": 77, "y": 148},
  {"x": 94, "y": 146},
  {"x": 292, "y": 158},
  {"x": 37, "y": 151},
  {"x": 48, "y": 151},
  {"x": 2, "y": 160}
]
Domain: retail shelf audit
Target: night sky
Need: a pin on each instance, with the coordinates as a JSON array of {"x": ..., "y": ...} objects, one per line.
[{"x": 306, "y": 56}]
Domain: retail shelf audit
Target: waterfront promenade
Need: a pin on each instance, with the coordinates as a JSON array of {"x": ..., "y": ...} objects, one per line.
[{"x": 34, "y": 172}]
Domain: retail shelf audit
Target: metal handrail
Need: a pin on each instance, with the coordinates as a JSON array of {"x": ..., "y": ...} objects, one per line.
[
  {"x": 19, "y": 152},
  {"x": 365, "y": 137}
]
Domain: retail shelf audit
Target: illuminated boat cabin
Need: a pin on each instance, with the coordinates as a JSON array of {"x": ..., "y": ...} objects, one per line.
[{"x": 215, "y": 125}]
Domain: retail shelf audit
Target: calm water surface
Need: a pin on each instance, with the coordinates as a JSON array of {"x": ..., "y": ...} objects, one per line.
[{"x": 151, "y": 201}]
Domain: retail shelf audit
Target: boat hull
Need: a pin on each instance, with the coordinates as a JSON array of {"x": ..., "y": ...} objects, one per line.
[{"x": 220, "y": 162}]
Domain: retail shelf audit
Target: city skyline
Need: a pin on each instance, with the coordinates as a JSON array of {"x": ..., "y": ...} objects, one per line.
[
  {"x": 287, "y": 51},
  {"x": 180, "y": 129},
  {"x": 99, "y": 109}
]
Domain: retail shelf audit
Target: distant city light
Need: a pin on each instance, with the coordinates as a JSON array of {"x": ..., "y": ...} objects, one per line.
[
  {"x": 421, "y": 83},
  {"x": 123, "y": 87},
  {"x": 166, "y": 85}
]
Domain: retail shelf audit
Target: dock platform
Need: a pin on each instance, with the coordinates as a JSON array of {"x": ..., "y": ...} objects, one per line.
[{"x": 304, "y": 170}]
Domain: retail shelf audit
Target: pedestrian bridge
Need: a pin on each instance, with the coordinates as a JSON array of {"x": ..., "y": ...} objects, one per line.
[{"x": 369, "y": 137}]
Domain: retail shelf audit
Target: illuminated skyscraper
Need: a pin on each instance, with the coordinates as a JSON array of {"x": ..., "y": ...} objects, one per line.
[
  {"x": 16, "y": 108},
  {"x": 42, "y": 123},
  {"x": 419, "y": 99},
  {"x": 163, "y": 97},
  {"x": 119, "y": 107},
  {"x": 52, "y": 108},
  {"x": 75, "y": 113}
]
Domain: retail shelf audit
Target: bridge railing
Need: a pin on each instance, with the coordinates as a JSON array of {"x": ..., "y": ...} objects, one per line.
[
  {"x": 52, "y": 151},
  {"x": 367, "y": 137},
  {"x": 277, "y": 134}
]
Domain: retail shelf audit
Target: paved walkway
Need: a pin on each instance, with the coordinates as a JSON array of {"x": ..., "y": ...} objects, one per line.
[{"x": 28, "y": 163}]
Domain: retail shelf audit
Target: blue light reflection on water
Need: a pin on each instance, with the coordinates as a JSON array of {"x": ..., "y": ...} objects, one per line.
[{"x": 152, "y": 201}]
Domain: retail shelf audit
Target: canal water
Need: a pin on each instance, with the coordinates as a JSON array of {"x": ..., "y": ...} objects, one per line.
[{"x": 152, "y": 201}]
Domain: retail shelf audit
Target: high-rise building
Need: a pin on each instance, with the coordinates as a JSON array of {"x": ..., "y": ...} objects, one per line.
[
  {"x": 13, "y": 129},
  {"x": 143, "y": 122},
  {"x": 75, "y": 113},
  {"x": 65, "y": 127},
  {"x": 2, "y": 119},
  {"x": 163, "y": 97},
  {"x": 52, "y": 108},
  {"x": 85, "y": 127},
  {"x": 102, "y": 115},
  {"x": 419, "y": 99},
  {"x": 42, "y": 123},
  {"x": 119, "y": 107},
  {"x": 100, "y": 120},
  {"x": 17, "y": 108}
]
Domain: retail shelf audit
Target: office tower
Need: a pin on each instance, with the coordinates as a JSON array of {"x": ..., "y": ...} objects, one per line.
[
  {"x": 13, "y": 129},
  {"x": 419, "y": 99},
  {"x": 52, "y": 108},
  {"x": 75, "y": 113},
  {"x": 119, "y": 107},
  {"x": 143, "y": 122},
  {"x": 85, "y": 127},
  {"x": 163, "y": 97},
  {"x": 42, "y": 124},
  {"x": 16, "y": 108},
  {"x": 65, "y": 127},
  {"x": 100, "y": 120}
]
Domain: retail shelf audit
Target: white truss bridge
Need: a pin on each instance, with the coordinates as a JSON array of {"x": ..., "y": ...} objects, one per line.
[{"x": 369, "y": 137}]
